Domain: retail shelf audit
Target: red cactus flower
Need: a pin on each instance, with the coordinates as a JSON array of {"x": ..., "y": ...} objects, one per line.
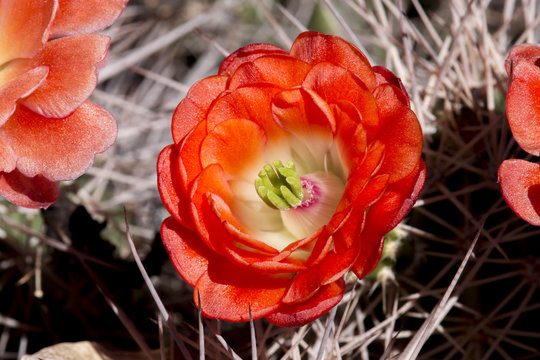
[
  {"x": 287, "y": 170},
  {"x": 520, "y": 179},
  {"x": 49, "y": 131}
]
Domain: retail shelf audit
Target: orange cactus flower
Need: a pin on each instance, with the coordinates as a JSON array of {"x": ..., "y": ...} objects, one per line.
[
  {"x": 287, "y": 170},
  {"x": 49, "y": 59},
  {"x": 520, "y": 179}
]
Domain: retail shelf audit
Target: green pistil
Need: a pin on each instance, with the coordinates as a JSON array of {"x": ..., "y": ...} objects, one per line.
[{"x": 280, "y": 186}]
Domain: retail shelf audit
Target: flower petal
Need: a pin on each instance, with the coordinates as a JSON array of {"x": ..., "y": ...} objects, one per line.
[
  {"x": 24, "y": 27},
  {"x": 523, "y": 98},
  {"x": 60, "y": 149},
  {"x": 192, "y": 109},
  {"x": 252, "y": 103},
  {"x": 300, "y": 314},
  {"x": 245, "y": 54},
  {"x": 335, "y": 84},
  {"x": 280, "y": 70},
  {"x": 20, "y": 86},
  {"x": 210, "y": 181},
  {"x": 383, "y": 215},
  {"x": 72, "y": 63},
  {"x": 520, "y": 186},
  {"x": 172, "y": 194},
  {"x": 190, "y": 162},
  {"x": 385, "y": 76},
  {"x": 85, "y": 16},
  {"x": 417, "y": 184},
  {"x": 189, "y": 255},
  {"x": 235, "y": 144},
  {"x": 8, "y": 159},
  {"x": 229, "y": 292},
  {"x": 313, "y": 48},
  {"x": 399, "y": 131},
  {"x": 303, "y": 112},
  {"x": 30, "y": 192},
  {"x": 351, "y": 135}
]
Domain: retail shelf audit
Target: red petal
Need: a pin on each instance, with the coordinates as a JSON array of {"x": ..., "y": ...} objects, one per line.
[
  {"x": 235, "y": 144},
  {"x": 396, "y": 201},
  {"x": 169, "y": 186},
  {"x": 189, "y": 255},
  {"x": 228, "y": 292},
  {"x": 399, "y": 131},
  {"x": 219, "y": 221},
  {"x": 351, "y": 135},
  {"x": 382, "y": 216},
  {"x": 245, "y": 54},
  {"x": 8, "y": 159},
  {"x": 361, "y": 174},
  {"x": 385, "y": 76},
  {"x": 23, "y": 27},
  {"x": 279, "y": 70},
  {"x": 523, "y": 98},
  {"x": 58, "y": 149},
  {"x": 313, "y": 48},
  {"x": 370, "y": 251},
  {"x": 252, "y": 103},
  {"x": 303, "y": 112},
  {"x": 85, "y": 16},
  {"x": 301, "y": 314},
  {"x": 192, "y": 109},
  {"x": 361, "y": 199},
  {"x": 72, "y": 77},
  {"x": 190, "y": 161},
  {"x": 520, "y": 186},
  {"x": 210, "y": 181},
  {"x": 335, "y": 85},
  {"x": 31, "y": 192},
  {"x": 20, "y": 86},
  {"x": 418, "y": 178},
  {"x": 334, "y": 264}
]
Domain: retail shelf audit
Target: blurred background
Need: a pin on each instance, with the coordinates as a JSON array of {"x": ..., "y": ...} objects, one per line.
[{"x": 67, "y": 274}]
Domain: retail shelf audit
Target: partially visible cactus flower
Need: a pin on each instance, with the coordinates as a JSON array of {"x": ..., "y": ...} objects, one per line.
[
  {"x": 520, "y": 179},
  {"x": 49, "y": 58}
]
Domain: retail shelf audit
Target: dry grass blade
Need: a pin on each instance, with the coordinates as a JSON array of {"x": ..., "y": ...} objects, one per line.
[
  {"x": 437, "y": 314},
  {"x": 155, "y": 295}
]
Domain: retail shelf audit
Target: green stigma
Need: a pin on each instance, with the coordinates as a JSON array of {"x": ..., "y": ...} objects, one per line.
[{"x": 280, "y": 186}]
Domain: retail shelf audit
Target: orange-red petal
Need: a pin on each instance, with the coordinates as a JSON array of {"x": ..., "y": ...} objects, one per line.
[
  {"x": 19, "y": 87},
  {"x": 523, "y": 98},
  {"x": 399, "y": 131},
  {"x": 229, "y": 292},
  {"x": 252, "y": 103},
  {"x": 172, "y": 194},
  {"x": 189, "y": 255},
  {"x": 192, "y": 109},
  {"x": 303, "y": 112},
  {"x": 72, "y": 63},
  {"x": 335, "y": 84},
  {"x": 58, "y": 149},
  {"x": 313, "y": 48},
  {"x": 24, "y": 27},
  {"x": 234, "y": 144},
  {"x": 30, "y": 192},
  {"x": 520, "y": 186},
  {"x": 300, "y": 314},
  {"x": 85, "y": 16},
  {"x": 245, "y": 54},
  {"x": 279, "y": 70}
]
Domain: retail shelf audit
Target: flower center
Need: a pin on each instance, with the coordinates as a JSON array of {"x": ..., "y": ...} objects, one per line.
[
  {"x": 280, "y": 187},
  {"x": 304, "y": 203}
]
